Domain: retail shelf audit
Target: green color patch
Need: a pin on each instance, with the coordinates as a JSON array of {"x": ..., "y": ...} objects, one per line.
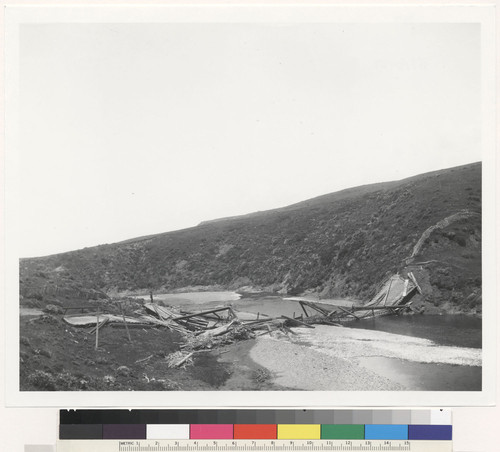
[{"x": 342, "y": 431}]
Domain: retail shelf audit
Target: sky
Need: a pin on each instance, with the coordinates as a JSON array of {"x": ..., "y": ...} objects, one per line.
[{"x": 133, "y": 129}]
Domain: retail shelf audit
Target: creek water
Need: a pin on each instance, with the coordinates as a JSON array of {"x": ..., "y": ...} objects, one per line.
[
  {"x": 442, "y": 335},
  {"x": 194, "y": 298},
  {"x": 455, "y": 330},
  {"x": 271, "y": 306},
  {"x": 426, "y": 377},
  {"x": 458, "y": 331}
]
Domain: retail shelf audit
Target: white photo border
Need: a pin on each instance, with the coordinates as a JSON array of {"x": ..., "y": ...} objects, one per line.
[{"x": 15, "y": 16}]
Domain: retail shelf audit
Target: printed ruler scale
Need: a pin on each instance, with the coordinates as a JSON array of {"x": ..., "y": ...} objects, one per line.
[
  {"x": 286, "y": 430},
  {"x": 252, "y": 446}
]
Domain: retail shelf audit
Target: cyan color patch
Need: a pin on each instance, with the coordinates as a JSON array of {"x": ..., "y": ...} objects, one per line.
[{"x": 386, "y": 431}]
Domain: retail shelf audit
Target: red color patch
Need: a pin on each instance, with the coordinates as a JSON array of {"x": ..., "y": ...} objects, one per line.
[{"x": 255, "y": 431}]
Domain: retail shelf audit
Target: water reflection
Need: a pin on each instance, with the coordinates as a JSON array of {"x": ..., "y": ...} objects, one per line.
[
  {"x": 425, "y": 377},
  {"x": 457, "y": 330}
]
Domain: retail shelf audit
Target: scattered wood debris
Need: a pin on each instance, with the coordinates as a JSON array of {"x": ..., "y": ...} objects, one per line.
[
  {"x": 208, "y": 329},
  {"x": 179, "y": 359},
  {"x": 144, "y": 359}
]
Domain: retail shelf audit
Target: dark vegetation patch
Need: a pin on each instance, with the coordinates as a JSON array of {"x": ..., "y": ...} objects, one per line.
[
  {"x": 55, "y": 356},
  {"x": 208, "y": 369}
]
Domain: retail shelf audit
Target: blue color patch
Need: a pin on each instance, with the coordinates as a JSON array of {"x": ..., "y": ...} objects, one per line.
[
  {"x": 430, "y": 432},
  {"x": 386, "y": 431}
]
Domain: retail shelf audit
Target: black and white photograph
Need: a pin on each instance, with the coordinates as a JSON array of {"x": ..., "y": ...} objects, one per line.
[{"x": 249, "y": 205}]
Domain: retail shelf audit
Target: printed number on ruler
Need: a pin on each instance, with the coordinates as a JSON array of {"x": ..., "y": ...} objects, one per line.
[
  {"x": 263, "y": 445},
  {"x": 252, "y": 446}
]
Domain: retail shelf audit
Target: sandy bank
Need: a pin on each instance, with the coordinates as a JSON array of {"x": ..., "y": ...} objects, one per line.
[
  {"x": 246, "y": 374},
  {"x": 345, "y": 359},
  {"x": 351, "y": 344},
  {"x": 300, "y": 367}
]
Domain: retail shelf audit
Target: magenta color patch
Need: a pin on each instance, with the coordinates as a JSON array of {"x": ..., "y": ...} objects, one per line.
[{"x": 211, "y": 431}]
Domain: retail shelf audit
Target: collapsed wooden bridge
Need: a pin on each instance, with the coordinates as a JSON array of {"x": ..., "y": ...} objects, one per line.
[
  {"x": 223, "y": 324},
  {"x": 393, "y": 297}
]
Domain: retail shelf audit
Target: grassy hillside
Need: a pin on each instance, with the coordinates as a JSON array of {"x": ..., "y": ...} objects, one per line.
[{"x": 340, "y": 244}]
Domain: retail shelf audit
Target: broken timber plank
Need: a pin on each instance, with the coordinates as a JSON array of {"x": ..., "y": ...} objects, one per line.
[
  {"x": 258, "y": 322},
  {"x": 125, "y": 323},
  {"x": 97, "y": 331},
  {"x": 316, "y": 308},
  {"x": 157, "y": 312},
  {"x": 230, "y": 309},
  {"x": 144, "y": 359},
  {"x": 99, "y": 325},
  {"x": 388, "y": 290},
  {"x": 414, "y": 280},
  {"x": 370, "y": 308},
  {"x": 218, "y": 331},
  {"x": 304, "y": 309},
  {"x": 348, "y": 312},
  {"x": 297, "y": 321},
  {"x": 184, "y": 317},
  {"x": 134, "y": 325},
  {"x": 183, "y": 360}
]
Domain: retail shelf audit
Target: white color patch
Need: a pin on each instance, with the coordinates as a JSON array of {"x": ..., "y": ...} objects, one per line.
[{"x": 167, "y": 431}]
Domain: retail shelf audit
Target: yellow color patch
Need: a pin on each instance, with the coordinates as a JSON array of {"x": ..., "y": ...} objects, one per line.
[{"x": 299, "y": 431}]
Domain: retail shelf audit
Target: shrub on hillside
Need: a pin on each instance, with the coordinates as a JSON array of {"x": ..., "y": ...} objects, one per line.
[{"x": 46, "y": 381}]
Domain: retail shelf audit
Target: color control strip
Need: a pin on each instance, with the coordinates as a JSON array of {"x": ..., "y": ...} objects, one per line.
[
  {"x": 255, "y": 431},
  {"x": 256, "y": 416}
]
